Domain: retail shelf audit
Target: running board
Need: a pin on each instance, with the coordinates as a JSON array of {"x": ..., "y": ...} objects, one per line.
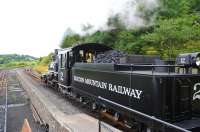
[{"x": 63, "y": 88}]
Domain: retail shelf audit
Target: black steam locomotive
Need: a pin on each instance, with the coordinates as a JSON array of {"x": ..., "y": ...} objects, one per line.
[{"x": 164, "y": 90}]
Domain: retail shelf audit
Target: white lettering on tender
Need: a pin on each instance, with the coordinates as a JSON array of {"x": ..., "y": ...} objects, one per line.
[
  {"x": 110, "y": 87},
  {"x": 196, "y": 95}
]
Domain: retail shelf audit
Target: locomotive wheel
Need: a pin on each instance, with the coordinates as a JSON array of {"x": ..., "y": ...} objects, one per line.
[
  {"x": 81, "y": 99},
  {"x": 94, "y": 106},
  {"x": 71, "y": 94},
  {"x": 116, "y": 116},
  {"x": 104, "y": 110}
]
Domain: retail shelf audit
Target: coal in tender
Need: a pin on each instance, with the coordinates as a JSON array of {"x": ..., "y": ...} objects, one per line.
[{"x": 111, "y": 56}]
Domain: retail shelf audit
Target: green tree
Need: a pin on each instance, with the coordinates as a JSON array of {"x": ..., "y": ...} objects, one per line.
[
  {"x": 86, "y": 28},
  {"x": 70, "y": 38},
  {"x": 175, "y": 29},
  {"x": 173, "y": 8},
  {"x": 195, "y": 5},
  {"x": 114, "y": 22},
  {"x": 172, "y": 33}
]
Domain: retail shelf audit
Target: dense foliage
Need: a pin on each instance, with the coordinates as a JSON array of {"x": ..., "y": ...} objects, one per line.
[
  {"x": 176, "y": 29},
  {"x": 42, "y": 63},
  {"x": 45, "y": 60}
]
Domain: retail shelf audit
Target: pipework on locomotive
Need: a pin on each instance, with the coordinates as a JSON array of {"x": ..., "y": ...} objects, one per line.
[{"x": 167, "y": 90}]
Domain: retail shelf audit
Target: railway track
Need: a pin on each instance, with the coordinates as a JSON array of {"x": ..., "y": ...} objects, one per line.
[
  {"x": 3, "y": 101},
  {"x": 14, "y": 104}
]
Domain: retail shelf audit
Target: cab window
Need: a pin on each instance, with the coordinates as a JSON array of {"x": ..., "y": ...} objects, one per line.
[
  {"x": 62, "y": 61},
  {"x": 89, "y": 57}
]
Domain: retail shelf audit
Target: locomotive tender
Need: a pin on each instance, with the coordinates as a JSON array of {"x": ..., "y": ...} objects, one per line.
[{"x": 162, "y": 89}]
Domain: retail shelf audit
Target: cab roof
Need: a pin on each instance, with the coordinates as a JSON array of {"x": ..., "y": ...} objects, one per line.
[{"x": 98, "y": 47}]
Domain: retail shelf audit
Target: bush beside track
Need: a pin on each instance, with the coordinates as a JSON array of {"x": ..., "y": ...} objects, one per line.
[
  {"x": 42, "y": 64},
  {"x": 40, "y": 68}
]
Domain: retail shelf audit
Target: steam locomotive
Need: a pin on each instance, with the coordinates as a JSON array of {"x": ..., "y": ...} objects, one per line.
[{"x": 166, "y": 90}]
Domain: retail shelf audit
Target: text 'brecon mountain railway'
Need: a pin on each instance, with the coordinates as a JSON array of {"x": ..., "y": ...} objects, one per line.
[{"x": 109, "y": 86}]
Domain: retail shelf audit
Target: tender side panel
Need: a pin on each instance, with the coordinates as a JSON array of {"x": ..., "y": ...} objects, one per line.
[
  {"x": 133, "y": 91},
  {"x": 195, "y": 86},
  {"x": 179, "y": 93}
]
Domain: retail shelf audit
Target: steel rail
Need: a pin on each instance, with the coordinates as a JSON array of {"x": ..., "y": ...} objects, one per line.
[
  {"x": 145, "y": 115},
  {"x": 6, "y": 103},
  {"x": 143, "y": 65},
  {"x": 32, "y": 74},
  {"x": 6, "y": 109}
]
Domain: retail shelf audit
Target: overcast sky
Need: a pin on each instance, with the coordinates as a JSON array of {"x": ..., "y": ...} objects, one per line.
[{"x": 36, "y": 27}]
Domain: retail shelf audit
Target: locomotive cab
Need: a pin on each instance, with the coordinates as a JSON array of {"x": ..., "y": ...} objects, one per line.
[{"x": 84, "y": 53}]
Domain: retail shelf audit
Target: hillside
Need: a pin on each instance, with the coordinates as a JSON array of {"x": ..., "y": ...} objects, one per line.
[
  {"x": 4, "y": 59},
  {"x": 15, "y": 60}
]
